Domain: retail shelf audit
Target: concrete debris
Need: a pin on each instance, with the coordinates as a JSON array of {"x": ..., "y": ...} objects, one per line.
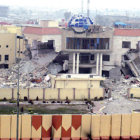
[
  {"x": 32, "y": 72},
  {"x": 119, "y": 101},
  {"x": 65, "y": 65},
  {"x": 54, "y": 68},
  {"x": 115, "y": 73},
  {"x": 47, "y": 78}
]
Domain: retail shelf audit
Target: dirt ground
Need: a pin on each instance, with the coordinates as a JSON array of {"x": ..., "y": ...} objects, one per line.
[{"x": 118, "y": 103}]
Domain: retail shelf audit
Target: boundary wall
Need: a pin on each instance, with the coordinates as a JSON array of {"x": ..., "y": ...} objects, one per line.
[
  {"x": 75, "y": 127},
  {"x": 52, "y": 93},
  {"x": 134, "y": 92}
]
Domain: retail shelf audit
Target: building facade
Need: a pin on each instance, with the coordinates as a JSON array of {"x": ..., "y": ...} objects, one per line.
[
  {"x": 10, "y": 47},
  {"x": 87, "y": 49},
  {"x": 49, "y": 36},
  {"x": 123, "y": 41},
  {"x": 98, "y": 51}
]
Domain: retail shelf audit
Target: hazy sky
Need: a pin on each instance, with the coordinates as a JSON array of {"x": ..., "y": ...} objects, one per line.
[{"x": 73, "y": 4}]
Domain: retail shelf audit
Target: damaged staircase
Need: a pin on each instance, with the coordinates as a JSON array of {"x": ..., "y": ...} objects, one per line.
[{"x": 133, "y": 63}]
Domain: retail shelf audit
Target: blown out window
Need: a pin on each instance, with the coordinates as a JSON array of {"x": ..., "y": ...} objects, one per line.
[
  {"x": 106, "y": 57},
  {"x": 6, "y": 57},
  {"x": 126, "y": 44}
]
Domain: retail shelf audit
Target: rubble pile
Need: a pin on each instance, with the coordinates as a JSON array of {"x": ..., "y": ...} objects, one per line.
[
  {"x": 27, "y": 72},
  {"x": 31, "y": 72},
  {"x": 119, "y": 101}
]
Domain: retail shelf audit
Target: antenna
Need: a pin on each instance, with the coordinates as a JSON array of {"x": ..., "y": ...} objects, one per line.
[{"x": 88, "y": 2}]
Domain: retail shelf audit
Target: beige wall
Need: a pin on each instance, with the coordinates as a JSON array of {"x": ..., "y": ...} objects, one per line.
[
  {"x": 5, "y": 92},
  {"x": 82, "y": 83},
  {"x": 81, "y": 94},
  {"x": 20, "y": 46},
  {"x": 48, "y": 23},
  {"x": 32, "y": 37},
  {"x": 11, "y": 29},
  {"x": 64, "y": 93},
  {"x": 115, "y": 126},
  {"x": 93, "y": 93},
  {"x": 23, "y": 93},
  {"x": 44, "y": 38},
  {"x": 57, "y": 41},
  {"x": 10, "y": 40},
  {"x": 13, "y": 46},
  {"x": 52, "y": 94},
  {"x": 135, "y": 92}
]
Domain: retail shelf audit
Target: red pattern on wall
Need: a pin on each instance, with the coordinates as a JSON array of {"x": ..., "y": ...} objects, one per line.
[
  {"x": 66, "y": 133},
  {"x": 76, "y": 121},
  {"x": 46, "y": 134},
  {"x": 56, "y": 121},
  {"x": 36, "y": 121}
]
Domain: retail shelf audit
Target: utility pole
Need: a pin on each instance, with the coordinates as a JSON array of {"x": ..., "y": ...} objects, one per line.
[{"x": 17, "y": 130}]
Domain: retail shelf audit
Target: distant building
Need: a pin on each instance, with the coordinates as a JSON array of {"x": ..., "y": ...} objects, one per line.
[{"x": 48, "y": 23}]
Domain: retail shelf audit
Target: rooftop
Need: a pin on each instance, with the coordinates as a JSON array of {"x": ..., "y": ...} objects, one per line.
[
  {"x": 4, "y": 23},
  {"x": 42, "y": 31},
  {"x": 78, "y": 77},
  {"x": 126, "y": 32}
]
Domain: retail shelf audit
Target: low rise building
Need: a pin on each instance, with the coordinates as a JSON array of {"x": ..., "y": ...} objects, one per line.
[{"x": 77, "y": 81}]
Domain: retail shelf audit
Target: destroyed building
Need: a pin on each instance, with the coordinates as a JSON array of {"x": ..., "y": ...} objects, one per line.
[
  {"x": 126, "y": 50},
  {"x": 95, "y": 49},
  {"x": 88, "y": 47}
]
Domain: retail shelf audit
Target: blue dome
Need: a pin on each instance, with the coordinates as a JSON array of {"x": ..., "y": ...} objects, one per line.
[{"x": 80, "y": 21}]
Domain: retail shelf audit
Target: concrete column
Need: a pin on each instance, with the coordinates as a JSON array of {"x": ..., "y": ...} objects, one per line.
[
  {"x": 77, "y": 70},
  {"x": 73, "y": 63},
  {"x": 97, "y": 64},
  {"x": 101, "y": 63}
]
